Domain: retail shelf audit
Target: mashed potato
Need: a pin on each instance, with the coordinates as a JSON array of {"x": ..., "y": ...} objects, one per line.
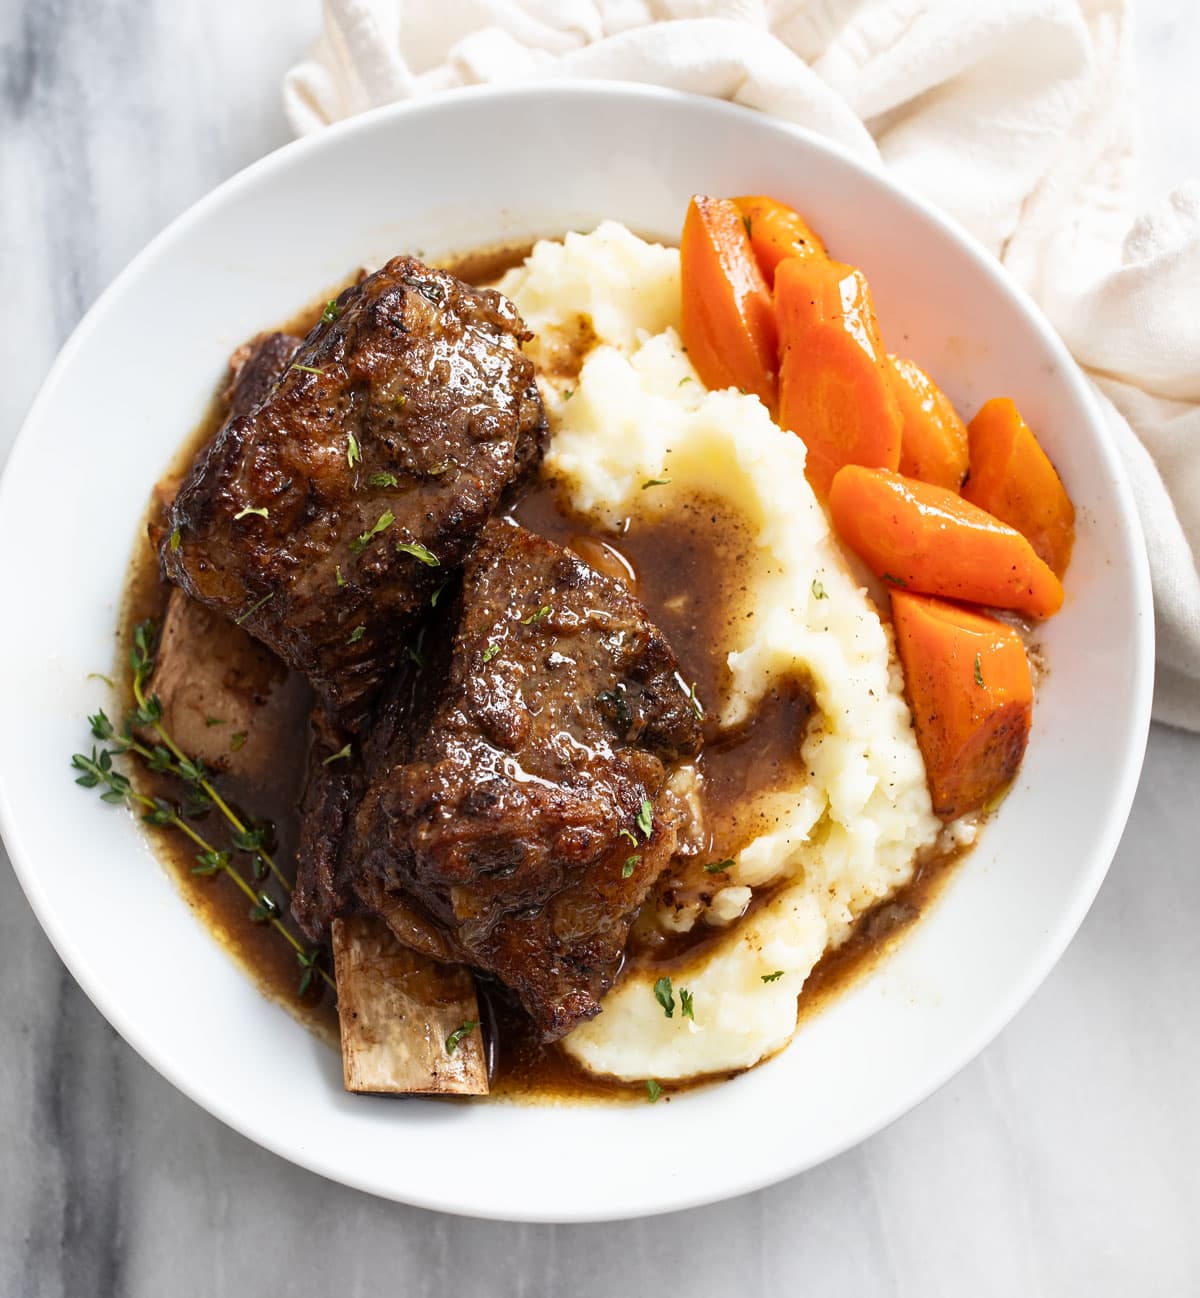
[{"x": 848, "y": 834}]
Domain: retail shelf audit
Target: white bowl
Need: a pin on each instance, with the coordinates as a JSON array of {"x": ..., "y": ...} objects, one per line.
[{"x": 463, "y": 171}]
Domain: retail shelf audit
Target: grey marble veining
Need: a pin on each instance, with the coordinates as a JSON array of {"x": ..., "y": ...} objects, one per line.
[{"x": 1064, "y": 1161}]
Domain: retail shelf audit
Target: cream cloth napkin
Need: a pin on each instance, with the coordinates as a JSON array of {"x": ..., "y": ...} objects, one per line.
[{"x": 1014, "y": 116}]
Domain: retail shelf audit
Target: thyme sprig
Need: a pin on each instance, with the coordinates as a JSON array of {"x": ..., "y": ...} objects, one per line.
[{"x": 98, "y": 770}]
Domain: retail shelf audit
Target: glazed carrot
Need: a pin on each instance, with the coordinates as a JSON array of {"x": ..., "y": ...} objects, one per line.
[
  {"x": 728, "y": 320},
  {"x": 777, "y": 232},
  {"x": 928, "y": 539},
  {"x": 835, "y": 386},
  {"x": 933, "y": 442},
  {"x": 1012, "y": 478},
  {"x": 971, "y": 696}
]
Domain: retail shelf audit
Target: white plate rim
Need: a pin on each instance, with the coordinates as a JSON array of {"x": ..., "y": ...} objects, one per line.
[{"x": 1138, "y": 703}]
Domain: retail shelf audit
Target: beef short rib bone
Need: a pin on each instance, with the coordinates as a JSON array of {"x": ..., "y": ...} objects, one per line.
[
  {"x": 409, "y": 1025},
  {"x": 528, "y": 818},
  {"x": 323, "y": 519}
]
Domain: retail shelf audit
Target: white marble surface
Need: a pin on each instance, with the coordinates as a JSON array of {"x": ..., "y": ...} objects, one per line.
[{"x": 1066, "y": 1160}]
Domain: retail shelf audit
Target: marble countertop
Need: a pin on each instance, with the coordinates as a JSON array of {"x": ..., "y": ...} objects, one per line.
[{"x": 1065, "y": 1160}]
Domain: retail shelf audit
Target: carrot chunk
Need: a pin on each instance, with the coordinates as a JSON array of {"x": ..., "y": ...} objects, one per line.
[
  {"x": 728, "y": 319},
  {"x": 1012, "y": 477},
  {"x": 776, "y": 232},
  {"x": 835, "y": 389},
  {"x": 929, "y": 539},
  {"x": 933, "y": 442},
  {"x": 971, "y": 695}
]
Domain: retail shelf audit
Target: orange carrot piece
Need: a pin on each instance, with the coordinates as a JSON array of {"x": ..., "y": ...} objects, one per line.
[
  {"x": 1012, "y": 477},
  {"x": 728, "y": 318},
  {"x": 835, "y": 388},
  {"x": 777, "y": 232},
  {"x": 933, "y": 443},
  {"x": 929, "y": 539},
  {"x": 971, "y": 696}
]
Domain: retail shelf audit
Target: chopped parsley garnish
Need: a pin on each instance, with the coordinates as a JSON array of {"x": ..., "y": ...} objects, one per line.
[
  {"x": 629, "y": 834},
  {"x": 337, "y": 757},
  {"x": 176, "y": 540},
  {"x": 656, "y": 482},
  {"x": 773, "y": 977},
  {"x": 535, "y": 618},
  {"x": 694, "y": 700},
  {"x": 687, "y": 378},
  {"x": 214, "y": 721},
  {"x": 241, "y": 617},
  {"x": 415, "y": 657},
  {"x": 261, "y": 511},
  {"x": 631, "y": 863},
  {"x": 383, "y": 480},
  {"x": 687, "y": 1009},
  {"x": 418, "y": 551},
  {"x": 442, "y": 466},
  {"x": 665, "y": 996},
  {"x": 490, "y": 652},
  {"x": 236, "y": 740},
  {"x": 746, "y": 221},
  {"x": 896, "y": 581},
  {"x": 331, "y": 312},
  {"x": 357, "y": 634},
  {"x": 818, "y": 590},
  {"x": 568, "y": 393},
  {"x": 353, "y": 454},
  {"x": 978, "y": 670},
  {"x": 437, "y": 594},
  {"x": 645, "y": 817},
  {"x": 653, "y": 1090},
  {"x": 718, "y": 867},
  {"x": 463, "y": 1030},
  {"x": 360, "y": 543},
  {"x": 337, "y": 572},
  {"x": 309, "y": 369}
]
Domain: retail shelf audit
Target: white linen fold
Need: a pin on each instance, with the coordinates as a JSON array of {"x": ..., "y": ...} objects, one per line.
[{"x": 1012, "y": 116}]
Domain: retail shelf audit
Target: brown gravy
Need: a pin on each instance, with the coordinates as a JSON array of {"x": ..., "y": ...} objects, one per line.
[{"x": 686, "y": 572}]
